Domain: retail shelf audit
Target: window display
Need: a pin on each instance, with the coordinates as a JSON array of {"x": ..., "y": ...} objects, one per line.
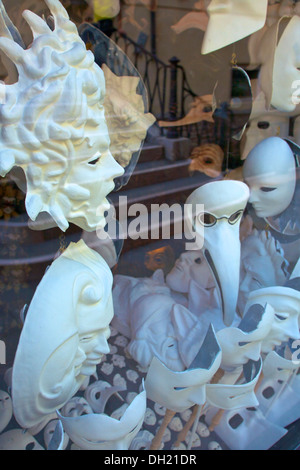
[{"x": 149, "y": 225}]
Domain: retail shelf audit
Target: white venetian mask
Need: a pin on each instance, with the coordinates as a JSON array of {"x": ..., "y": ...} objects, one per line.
[
  {"x": 179, "y": 391},
  {"x": 235, "y": 396},
  {"x": 64, "y": 335},
  {"x": 270, "y": 173},
  {"x": 101, "y": 432},
  {"x": 286, "y": 304},
  {"x": 191, "y": 265},
  {"x": 279, "y": 56},
  {"x": 241, "y": 344}
]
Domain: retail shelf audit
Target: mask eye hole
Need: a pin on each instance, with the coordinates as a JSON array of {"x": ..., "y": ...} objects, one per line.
[
  {"x": 235, "y": 217},
  {"x": 94, "y": 161},
  {"x": 241, "y": 344},
  {"x": 280, "y": 317},
  {"x": 198, "y": 261},
  {"x": 264, "y": 189},
  {"x": 207, "y": 219}
]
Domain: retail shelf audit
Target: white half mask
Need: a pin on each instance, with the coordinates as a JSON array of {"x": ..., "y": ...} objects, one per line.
[
  {"x": 235, "y": 396},
  {"x": 64, "y": 335},
  {"x": 286, "y": 304},
  {"x": 6, "y": 410},
  {"x": 63, "y": 149},
  {"x": 232, "y": 20},
  {"x": 241, "y": 344},
  {"x": 18, "y": 439},
  {"x": 101, "y": 432},
  {"x": 277, "y": 367},
  {"x": 279, "y": 56},
  {"x": 191, "y": 265},
  {"x": 270, "y": 173},
  {"x": 179, "y": 391},
  {"x": 224, "y": 203}
]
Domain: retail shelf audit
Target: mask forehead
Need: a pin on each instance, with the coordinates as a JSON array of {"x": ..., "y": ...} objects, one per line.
[{"x": 220, "y": 197}]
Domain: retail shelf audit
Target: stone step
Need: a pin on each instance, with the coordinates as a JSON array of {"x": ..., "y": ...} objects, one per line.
[
  {"x": 151, "y": 153},
  {"x": 170, "y": 192},
  {"x": 154, "y": 172}
]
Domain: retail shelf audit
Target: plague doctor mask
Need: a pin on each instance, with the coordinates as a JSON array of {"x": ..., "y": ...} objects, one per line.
[
  {"x": 178, "y": 391},
  {"x": 101, "y": 432},
  {"x": 217, "y": 228},
  {"x": 64, "y": 335}
]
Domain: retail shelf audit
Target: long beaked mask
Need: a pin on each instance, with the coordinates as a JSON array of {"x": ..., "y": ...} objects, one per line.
[
  {"x": 101, "y": 432},
  {"x": 179, "y": 391},
  {"x": 224, "y": 203},
  {"x": 53, "y": 124},
  {"x": 64, "y": 335}
]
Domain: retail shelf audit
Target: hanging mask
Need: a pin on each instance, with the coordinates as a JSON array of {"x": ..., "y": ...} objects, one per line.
[
  {"x": 125, "y": 102},
  {"x": 233, "y": 106},
  {"x": 279, "y": 72},
  {"x": 65, "y": 151},
  {"x": 232, "y": 20}
]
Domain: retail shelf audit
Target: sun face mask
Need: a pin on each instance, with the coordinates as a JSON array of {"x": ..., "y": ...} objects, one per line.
[
  {"x": 232, "y": 20},
  {"x": 178, "y": 391},
  {"x": 55, "y": 129},
  {"x": 242, "y": 344},
  {"x": 64, "y": 335},
  {"x": 286, "y": 304},
  {"x": 101, "y": 432},
  {"x": 217, "y": 227},
  {"x": 270, "y": 173}
]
